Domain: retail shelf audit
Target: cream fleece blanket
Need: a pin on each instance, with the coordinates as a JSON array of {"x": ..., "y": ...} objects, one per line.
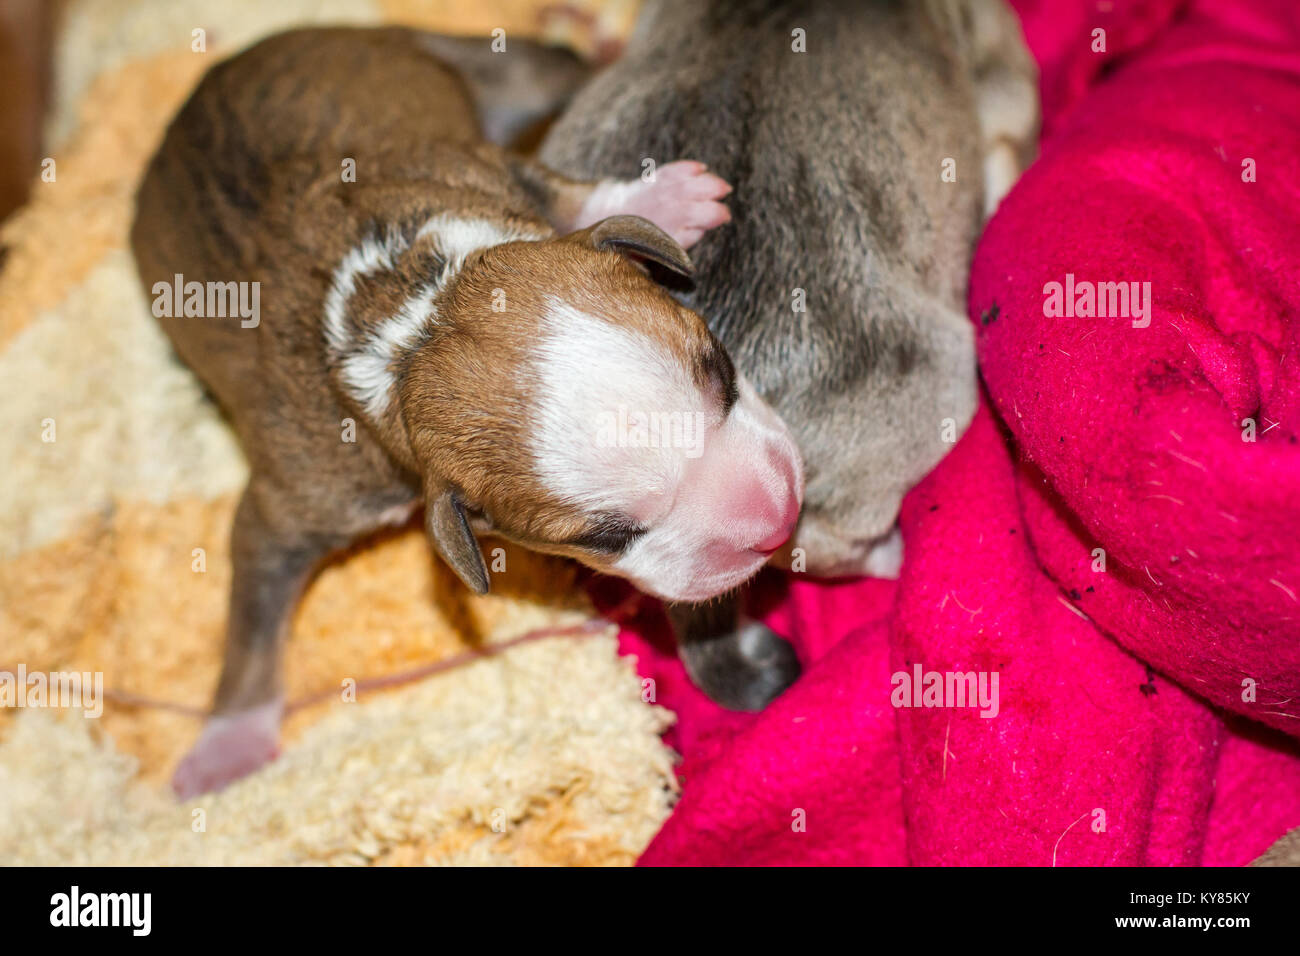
[{"x": 116, "y": 496}]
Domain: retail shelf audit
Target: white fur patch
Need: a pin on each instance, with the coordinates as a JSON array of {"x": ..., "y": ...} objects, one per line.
[
  {"x": 588, "y": 370},
  {"x": 724, "y": 505},
  {"x": 611, "y": 197},
  {"x": 366, "y": 359},
  {"x": 366, "y": 368},
  {"x": 369, "y": 257},
  {"x": 704, "y": 506},
  {"x": 456, "y": 238}
]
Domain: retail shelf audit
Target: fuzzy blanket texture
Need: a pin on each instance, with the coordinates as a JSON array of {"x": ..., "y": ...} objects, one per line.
[
  {"x": 1095, "y": 434},
  {"x": 118, "y": 480},
  {"x": 1115, "y": 536}
]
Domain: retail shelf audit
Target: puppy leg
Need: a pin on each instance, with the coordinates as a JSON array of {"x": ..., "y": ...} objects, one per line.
[
  {"x": 270, "y": 568},
  {"x": 681, "y": 198},
  {"x": 1006, "y": 97},
  {"x": 740, "y": 664}
]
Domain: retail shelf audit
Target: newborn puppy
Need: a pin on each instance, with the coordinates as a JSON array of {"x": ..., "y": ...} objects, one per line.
[
  {"x": 437, "y": 321},
  {"x": 865, "y": 140}
]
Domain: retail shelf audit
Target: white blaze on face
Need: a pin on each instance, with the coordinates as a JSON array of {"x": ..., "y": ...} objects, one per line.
[
  {"x": 598, "y": 383},
  {"x": 624, "y": 427}
]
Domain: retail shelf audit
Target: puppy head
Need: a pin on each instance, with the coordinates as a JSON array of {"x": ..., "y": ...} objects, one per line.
[{"x": 568, "y": 403}]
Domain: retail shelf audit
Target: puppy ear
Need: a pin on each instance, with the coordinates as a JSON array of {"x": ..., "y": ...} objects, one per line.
[
  {"x": 448, "y": 529},
  {"x": 641, "y": 239}
]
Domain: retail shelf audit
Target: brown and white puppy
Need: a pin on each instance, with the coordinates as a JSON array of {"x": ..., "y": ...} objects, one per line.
[
  {"x": 449, "y": 324},
  {"x": 866, "y": 140}
]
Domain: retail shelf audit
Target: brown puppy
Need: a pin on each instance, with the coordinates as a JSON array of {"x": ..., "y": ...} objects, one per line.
[{"x": 403, "y": 324}]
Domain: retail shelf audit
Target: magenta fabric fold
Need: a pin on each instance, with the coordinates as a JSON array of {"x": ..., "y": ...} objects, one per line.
[{"x": 1116, "y": 537}]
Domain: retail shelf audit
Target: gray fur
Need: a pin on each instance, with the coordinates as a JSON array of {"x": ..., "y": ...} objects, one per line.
[{"x": 836, "y": 156}]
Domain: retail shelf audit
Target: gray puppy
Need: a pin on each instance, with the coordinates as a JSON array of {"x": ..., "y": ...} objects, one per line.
[{"x": 866, "y": 141}]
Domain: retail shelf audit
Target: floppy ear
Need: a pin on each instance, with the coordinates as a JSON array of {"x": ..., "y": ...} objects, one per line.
[
  {"x": 448, "y": 529},
  {"x": 641, "y": 239}
]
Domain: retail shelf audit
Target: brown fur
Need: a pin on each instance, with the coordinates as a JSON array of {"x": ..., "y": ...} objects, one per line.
[{"x": 247, "y": 186}]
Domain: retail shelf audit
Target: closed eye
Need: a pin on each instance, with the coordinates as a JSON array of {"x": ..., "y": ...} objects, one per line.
[{"x": 608, "y": 533}]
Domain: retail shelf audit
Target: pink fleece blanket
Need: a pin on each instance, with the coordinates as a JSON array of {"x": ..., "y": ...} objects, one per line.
[{"x": 1107, "y": 538}]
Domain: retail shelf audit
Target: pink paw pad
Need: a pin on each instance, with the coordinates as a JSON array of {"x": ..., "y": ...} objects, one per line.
[
  {"x": 682, "y": 200},
  {"x": 231, "y": 746}
]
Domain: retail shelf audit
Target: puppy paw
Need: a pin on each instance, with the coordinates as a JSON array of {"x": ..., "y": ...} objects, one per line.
[
  {"x": 682, "y": 200},
  {"x": 231, "y": 746},
  {"x": 744, "y": 670}
]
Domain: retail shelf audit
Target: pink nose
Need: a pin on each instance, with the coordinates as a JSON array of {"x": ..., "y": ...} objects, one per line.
[{"x": 773, "y": 542}]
